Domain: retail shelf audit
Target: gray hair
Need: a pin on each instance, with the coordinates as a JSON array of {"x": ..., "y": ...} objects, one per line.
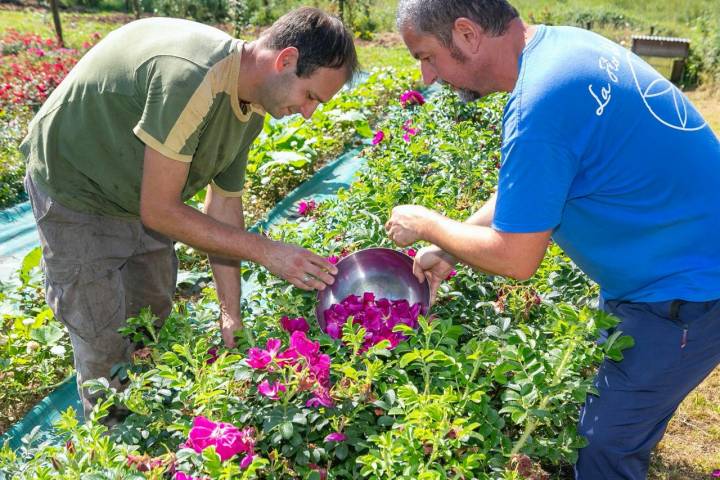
[{"x": 437, "y": 17}]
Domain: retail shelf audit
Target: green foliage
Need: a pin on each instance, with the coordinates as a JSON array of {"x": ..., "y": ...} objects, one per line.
[
  {"x": 12, "y": 167},
  {"x": 288, "y": 152},
  {"x": 201, "y": 10},
  {"x": 91, "y": 4},
  {"x": 704, "y": 61},
  {"x": 500, "y": 367},
  {"x": 35, "y": 352},
  {"x": 523, "y": 355},
  {"x": 592, "y": 17}
]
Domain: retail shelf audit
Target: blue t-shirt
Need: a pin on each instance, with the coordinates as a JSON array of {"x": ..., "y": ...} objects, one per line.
[{"x": 599, "y": 148}]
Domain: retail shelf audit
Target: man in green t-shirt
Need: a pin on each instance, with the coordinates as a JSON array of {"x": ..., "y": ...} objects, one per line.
[{"x": 154, "y": 113}]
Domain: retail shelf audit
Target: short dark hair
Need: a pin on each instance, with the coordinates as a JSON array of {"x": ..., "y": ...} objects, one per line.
[
  {"x": 437, "y": 17},
  {"x": 321, "y": 39}
]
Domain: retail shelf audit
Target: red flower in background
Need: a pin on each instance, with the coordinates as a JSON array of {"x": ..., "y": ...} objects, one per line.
[
  {"x": 409, "y": 131},
  {"x": 31, "y": 67}
]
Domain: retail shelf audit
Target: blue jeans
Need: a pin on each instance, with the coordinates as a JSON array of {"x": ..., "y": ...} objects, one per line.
[{"x": 677, "y": 345}]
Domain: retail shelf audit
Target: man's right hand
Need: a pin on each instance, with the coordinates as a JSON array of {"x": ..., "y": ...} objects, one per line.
[
  {"x": 434, "y": 265},
  {"x": 299, "y": 266}
]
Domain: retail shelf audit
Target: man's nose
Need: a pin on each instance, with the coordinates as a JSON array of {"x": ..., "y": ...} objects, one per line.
[
  {"x": 308, "y": 109},
  {"x": 429, "y": 75}
]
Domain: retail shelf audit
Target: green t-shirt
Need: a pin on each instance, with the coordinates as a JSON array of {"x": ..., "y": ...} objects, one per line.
[{"x": 166, "y": 83}]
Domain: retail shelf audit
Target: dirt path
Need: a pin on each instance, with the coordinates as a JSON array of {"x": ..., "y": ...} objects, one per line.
[{"x": 707, "y": 100}]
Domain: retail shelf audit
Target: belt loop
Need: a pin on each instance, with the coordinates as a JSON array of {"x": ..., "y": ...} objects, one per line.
[
  {"x": 675, "y": 309},
  {"x": 675, "y": 317}
]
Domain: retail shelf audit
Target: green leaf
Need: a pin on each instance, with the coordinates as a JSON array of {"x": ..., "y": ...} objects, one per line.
[
  {"x": 212, "y": 461},
  {"x": 616, "y": 343},
  {"x": 408, "y": 358},
  {"x": 341, "y": 452},
  {"x": 477, "y": 396},
  {"x": 283, "y": 158},
  {"x": 604, "y": 320},
  {"x": 363, "y": 129},
  {"x": 286, "y": 430},
  {"x": 47, "y": 335},
  {"x": 300, "y": 418},
  {"x": 31, "y": 260},
  {"x": 97, "y": 385}
]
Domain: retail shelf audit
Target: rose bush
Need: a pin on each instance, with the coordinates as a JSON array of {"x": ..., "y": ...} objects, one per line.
[{"x": 488, "y": 386}]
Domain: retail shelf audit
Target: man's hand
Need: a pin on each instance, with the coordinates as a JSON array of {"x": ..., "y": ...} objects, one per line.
[
  {"x": 299, "y": 266},
  {"x": 228, "y": 326},
  {"x": 408, "y": 223},
  {"x": 433, "y": 265}
]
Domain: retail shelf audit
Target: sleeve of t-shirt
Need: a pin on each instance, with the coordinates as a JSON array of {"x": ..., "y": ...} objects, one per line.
[
  {"x": 533, "y": 186},
  {"x": 177, "y": 98},
  {"x": 231, "y": 181}
]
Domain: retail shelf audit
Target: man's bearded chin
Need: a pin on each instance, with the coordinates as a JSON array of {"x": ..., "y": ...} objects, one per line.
[{"x": 465, "y": 95}]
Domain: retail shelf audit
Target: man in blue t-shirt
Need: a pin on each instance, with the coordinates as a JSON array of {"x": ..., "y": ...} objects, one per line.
[{"x": 611, "y": 161}]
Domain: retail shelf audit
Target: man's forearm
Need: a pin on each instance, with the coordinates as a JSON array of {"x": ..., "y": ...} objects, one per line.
[
  {"x": 226, "y": 272},
  {"x": 187, "y": 225},
  {"x": 484, "y": 216},
  {"x": 483, "y": 248},
  {"x": 228, "y": 285}
]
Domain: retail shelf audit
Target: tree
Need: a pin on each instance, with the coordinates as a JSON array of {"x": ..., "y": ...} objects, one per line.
[
  {"x": 341, "y": 9},
  {"x": 56, "y": 21},
  {"x": 137, "y": 8}
]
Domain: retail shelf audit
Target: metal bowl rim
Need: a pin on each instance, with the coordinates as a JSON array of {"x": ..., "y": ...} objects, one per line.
[{"x": 402, "y": 254}]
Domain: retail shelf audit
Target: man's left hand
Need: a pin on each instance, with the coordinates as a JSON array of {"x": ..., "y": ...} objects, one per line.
[
  {"x": 407, "y": 224},
  {"x": 229, "y": 325}
]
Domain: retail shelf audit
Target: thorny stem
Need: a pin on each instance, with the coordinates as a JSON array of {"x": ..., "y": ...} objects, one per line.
[{"x": 532, "y": 423}]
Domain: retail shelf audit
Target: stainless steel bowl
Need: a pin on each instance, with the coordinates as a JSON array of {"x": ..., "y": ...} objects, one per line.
[{"x": 385, "y": 272}]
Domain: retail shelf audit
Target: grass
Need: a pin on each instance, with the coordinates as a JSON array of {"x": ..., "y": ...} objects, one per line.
[
  {"x": 690, "y": 449},
  {"x": 672, "y": 15},
  {"x": 386, "y": 50},
  {"x": 707, "y": 100},
  {"x": 77, "y": 28}
]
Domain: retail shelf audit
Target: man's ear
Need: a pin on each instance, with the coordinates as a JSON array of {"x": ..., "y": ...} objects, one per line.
[
  {"x": 287, "y": 58},
  {"x": 467, "y": 35}
]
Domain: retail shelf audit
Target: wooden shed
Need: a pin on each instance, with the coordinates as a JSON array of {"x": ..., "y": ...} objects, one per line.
[{"x": 675, "y": 50}]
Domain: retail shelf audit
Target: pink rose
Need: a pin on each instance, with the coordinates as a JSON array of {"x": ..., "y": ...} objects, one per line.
[
  {"x": 411, "y": 97},
  {"x": 227, "y": 439},
  {"x": 306, "y": 207},
  {"x": 291, "y": 325},
  {"x": 336, "y": 437},
  {"x": 271, "y": 390},
  {"x": 379, "y": 137}
]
